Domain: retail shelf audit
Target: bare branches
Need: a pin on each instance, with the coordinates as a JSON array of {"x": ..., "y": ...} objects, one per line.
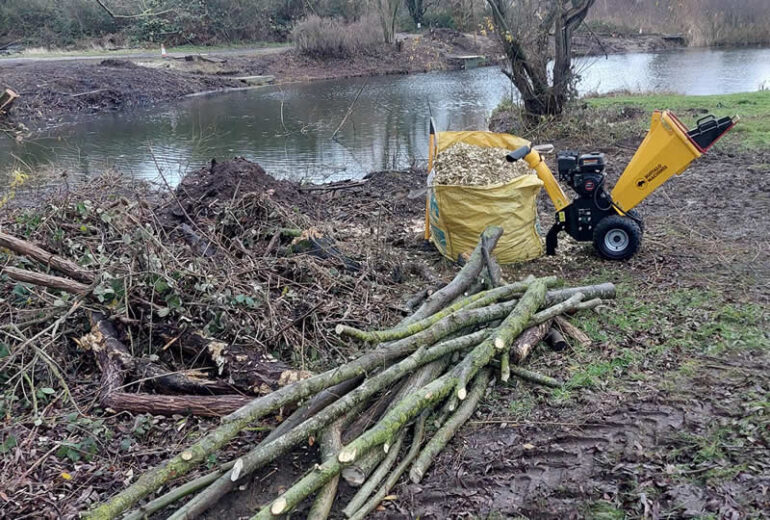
[{"x": 146, "y": 14}]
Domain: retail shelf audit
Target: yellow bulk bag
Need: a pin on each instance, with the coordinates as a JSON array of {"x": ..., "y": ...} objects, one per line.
[{"x": 458, "y": 214}]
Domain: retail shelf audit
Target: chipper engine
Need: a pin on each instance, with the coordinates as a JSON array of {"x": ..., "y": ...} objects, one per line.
[{"x": 608, "y": 218}]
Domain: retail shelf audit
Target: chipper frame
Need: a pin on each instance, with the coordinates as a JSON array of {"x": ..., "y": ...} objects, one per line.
[{"x": 609, "y": 219}]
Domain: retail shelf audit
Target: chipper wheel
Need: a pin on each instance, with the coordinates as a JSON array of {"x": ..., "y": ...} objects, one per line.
[{"x": 617, "y": 238}]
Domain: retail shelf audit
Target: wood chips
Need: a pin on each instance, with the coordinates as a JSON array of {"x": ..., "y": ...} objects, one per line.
[{"x": 469, "y": 165}]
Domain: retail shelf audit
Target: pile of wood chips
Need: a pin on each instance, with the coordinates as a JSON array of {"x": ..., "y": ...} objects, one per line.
[{"x": 469, "y": 165}]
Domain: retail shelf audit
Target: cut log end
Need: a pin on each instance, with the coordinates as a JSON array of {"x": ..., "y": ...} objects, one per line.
[
  {"x": 278, "y": 507},
  {"x": 415, "y": 475},
  {"x": 186, "y": 455},
  {"x": 462, "y": 394},
  {"x": 346, "y": 456},
  {"x": 354, "y": 476},
  {"x": 237, "y": 468},
  {"x": 386, "y": 447},
  {"x": 499, "y": 343},
  {"x": 339, "y": 329},
  {"x": 504, "y": 378}
]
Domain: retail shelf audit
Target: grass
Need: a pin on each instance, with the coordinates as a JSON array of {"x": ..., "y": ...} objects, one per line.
[
  {"x": 602, "y": 510},
  {"x": 752, "y": 132},
  {"x": 641, "y": 328}
]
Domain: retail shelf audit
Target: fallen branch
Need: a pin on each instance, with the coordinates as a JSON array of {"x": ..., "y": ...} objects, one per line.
[
  {"x": 462, "y": 281},
  {"x": 534, "y": 377},
  {"x": 22, "y": 247},
  {"x": 330, "y": 444},
  {"x": 379, "y": 496},
  {"x": 46, "y": 280},
  {"x": 572, "y": 331},
  {"x": 266, "y": 452}
]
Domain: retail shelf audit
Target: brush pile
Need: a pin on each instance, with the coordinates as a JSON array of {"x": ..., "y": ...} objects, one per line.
[
  {"x": 388, "y": 411},
  {"x": 465, "y": 164}
]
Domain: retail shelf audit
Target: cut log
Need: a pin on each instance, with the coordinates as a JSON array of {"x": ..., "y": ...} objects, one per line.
[
  {"x": 370, "y": 486},
  {"x": 370, "y": 416},
  {"x": 555, "y": 340},
  {"x": 528, "y": 340},
  {"x": 502, "y": 336},
  {"x": 30, "y": 250},
  {"x": 200, "y": 405},
  {"x": 46, "y": 280},
  {"x": 534, "y": 377},
  {"x": 379, "y": 496},
  {"x": 505, "y": 365},
  {"x": 312, "y": 407},
  {"x": 604, "y": 291},
  {"x": 572, "y": 331},
  {"x": 330, "y": 444},
  {"x": 475, "y": 301},
  {"x": 357, "y": 473},
  {"x": 266, "y": 452},
  {"x": 548, "y": 314},
  {"x": 450, "y": 428},
  {"x": 464, "y": 278}
]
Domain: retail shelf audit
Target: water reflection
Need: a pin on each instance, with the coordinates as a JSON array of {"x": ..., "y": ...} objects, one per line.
[{"x": 288, "y": 129}]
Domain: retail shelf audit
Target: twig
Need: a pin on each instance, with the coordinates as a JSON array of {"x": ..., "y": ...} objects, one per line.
[{"x": 350, "y": 109}]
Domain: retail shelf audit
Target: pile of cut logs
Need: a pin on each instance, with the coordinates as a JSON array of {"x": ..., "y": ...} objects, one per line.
[{"x": 388, "y": 412}]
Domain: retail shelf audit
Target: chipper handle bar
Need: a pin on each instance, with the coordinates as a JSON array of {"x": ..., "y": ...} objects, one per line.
[{"x": 544, "y": 173}]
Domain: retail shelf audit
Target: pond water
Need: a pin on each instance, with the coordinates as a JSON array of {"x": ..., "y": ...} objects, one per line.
[{"x": 288, "y": 129}]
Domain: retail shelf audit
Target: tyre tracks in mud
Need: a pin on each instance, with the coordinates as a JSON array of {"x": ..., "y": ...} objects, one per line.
[{"x": 640, "y": 455}]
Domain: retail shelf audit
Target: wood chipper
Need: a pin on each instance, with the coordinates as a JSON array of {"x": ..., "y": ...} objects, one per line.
[{"x": 608, "y": 219}]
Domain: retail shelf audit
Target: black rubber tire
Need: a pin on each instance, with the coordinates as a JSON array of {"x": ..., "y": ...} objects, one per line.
[
  {"x": 617, "y": 238},
  {"x": 637, "y": 217}
]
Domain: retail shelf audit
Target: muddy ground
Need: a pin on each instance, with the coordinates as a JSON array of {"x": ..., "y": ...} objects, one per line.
[{"x": 666, "y": 415}]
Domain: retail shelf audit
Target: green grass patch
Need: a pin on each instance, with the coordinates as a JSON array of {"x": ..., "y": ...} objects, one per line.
[
  {"x": 751, "y": 132},
  {"x": 602, "y": 510},
  {"x": 639, "y": 328}
]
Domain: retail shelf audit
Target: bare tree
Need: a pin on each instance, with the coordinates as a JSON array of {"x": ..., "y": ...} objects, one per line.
[
  {"x": 418, "y": 8},
  {"x": 147, "y": 13},
  {"x": 524, "y": 28},
  {"x": 388, "y": 14}
]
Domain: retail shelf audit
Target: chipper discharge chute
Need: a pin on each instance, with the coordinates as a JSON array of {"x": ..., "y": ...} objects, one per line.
[{"x": 609, "y": 219}]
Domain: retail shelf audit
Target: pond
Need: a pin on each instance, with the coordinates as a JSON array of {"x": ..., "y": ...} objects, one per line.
[{"x": 288, "y": 129}]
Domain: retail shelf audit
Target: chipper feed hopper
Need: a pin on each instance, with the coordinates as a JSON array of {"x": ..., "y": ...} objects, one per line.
[{"x": 609, "y": 219}]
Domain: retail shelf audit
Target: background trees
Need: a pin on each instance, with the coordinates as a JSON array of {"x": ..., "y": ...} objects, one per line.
[
  {"x": 70, "y": 22},
  {"x": 524, "y": 28}
]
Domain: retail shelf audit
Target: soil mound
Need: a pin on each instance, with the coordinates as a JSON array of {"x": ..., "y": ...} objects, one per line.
[
  {"x": 122, "y": 64},
  {"x": 228, "y": 180}
]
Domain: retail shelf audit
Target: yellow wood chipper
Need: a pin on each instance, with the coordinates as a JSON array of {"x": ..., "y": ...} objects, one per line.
[{"x": 609, "y": 219}]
